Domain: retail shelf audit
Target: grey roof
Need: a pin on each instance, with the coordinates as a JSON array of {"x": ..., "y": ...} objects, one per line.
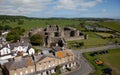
[
  {"x": 57, "y": 48},
  {"x": 3, "y": 46},
  {"x": 20, "y": 63},
  {"x": 41, "y": 57},
  {"x": 12, "y": 45}
]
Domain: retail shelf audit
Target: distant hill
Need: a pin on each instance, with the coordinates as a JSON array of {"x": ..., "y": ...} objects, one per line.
[{"x": 8, "y": 17}]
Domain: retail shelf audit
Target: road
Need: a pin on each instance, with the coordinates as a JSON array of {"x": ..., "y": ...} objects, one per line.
[{"x": 86, "y": 68}]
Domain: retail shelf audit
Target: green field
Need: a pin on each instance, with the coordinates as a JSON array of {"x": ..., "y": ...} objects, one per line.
[
  {"x": 92, "y": 41},
  {"x": 112, "y": 25},
  {"x": 110, "y": 60},
  {"x": 29, "y": 24}
]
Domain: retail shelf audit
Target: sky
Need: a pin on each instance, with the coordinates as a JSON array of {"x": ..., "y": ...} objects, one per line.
[{"x": 61, "y": 8}]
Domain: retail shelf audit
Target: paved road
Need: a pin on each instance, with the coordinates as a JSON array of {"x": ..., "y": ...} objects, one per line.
[{"x": 86, "y": 67}]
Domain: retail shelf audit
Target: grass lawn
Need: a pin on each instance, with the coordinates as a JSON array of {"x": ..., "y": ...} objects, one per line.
[
  {"x": 104, "y": 34},
  {"x": 92, "y": 41},
  {"x": 110, "y": 60},
  {"x": 112, "y": 25}
]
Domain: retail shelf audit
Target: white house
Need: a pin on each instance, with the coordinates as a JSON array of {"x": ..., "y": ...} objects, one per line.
[
  {"x": 11, "y": 50},
  {"x": 5, "y": 52}
]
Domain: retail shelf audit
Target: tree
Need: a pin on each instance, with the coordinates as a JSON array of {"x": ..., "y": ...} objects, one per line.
[
  {"x": 12, "y": 38},
  {"x": 7, "y": 27},
  {"x": 1, "y": 27},
  {"x": 20, "y": 22},
  {"x": 14, "y": 34},
  {"x": 37, "y": 39}
]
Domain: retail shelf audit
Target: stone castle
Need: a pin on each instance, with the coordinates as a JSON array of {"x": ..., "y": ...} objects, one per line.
[{"x": 55, "y": 35}]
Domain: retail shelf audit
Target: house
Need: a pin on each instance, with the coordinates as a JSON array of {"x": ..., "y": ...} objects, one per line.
[
  {"x": 22, "y": 47},
  {"x": 5, "y": 33},
  {"x": 2, "y": 41},
  {"x": 15, "y": 49},
  {"x": 46, "y": 65},
  {"x": 5, "y": 52},
  {"x": 40, "y": 64},
  {"x": 19, "y": 66}
]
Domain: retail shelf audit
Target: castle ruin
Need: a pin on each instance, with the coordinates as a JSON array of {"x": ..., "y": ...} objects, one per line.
[{"x": 55, "y": 35}]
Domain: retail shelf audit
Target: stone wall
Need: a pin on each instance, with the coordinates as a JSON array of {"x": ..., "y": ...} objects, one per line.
[{"x": 55, "y": 32}]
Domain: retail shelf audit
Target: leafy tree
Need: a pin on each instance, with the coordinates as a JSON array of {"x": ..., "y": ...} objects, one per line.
[
  {"x": 20, "y": 22},
  {"x": 37, "y": 39},
  {"x": 1, "y": 27},
  {"x": 14, "y": 34},
  {"x": 12, "y": 38},
  {"x": 7, "y": 27}
]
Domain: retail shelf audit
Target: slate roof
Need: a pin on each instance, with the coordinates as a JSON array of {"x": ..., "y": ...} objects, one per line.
[
  {"x": 41, "y": 57},
  {"x": 57, "y": 48},
  {"x": 3, "y": 46},
  {"x": 23, "y": 62}
]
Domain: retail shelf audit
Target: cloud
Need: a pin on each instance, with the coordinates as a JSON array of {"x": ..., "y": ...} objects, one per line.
[
  {"x": 22, "y": 7},
  {"x": 77, "y": 4},
  {"x": 27, "y": 7}
]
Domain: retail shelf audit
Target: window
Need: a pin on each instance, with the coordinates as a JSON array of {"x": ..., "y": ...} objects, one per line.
[
  {"x": 21, "y": 73},
  {"x": 26, "y": 71},
  {"x": 49, "y": 65},
  {"x": 53, "y": 64},
  {"x": 15, "y": 72},
  {"x": 40, "y": 68},
  {"x": 31, "y": 70}
]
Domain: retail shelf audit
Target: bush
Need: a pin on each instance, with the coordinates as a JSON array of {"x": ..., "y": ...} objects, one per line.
[{"x": 37, "y": 39}]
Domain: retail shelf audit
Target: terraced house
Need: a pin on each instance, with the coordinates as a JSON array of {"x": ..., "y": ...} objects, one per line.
[{"x": 41, "y": 64}]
